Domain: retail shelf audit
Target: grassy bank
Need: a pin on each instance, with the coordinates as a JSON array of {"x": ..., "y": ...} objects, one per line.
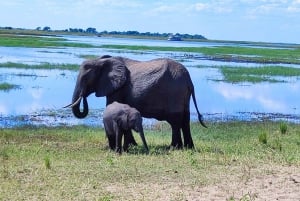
[
  {"x": 12, "y": 40},
  {"x": 74, "y": 163},
  {"x": 46, "y": 66},
  {"x": 270, "y": 74}
]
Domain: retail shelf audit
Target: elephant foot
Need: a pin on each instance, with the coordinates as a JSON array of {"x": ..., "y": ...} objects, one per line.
[
  {"x": 175, "y": 147},
  {"x": 127, "y": 145},
  {"x": 189, "y": 146},
  {"x": 128, "y": 142},
  {"x": 118, "y": 150}
]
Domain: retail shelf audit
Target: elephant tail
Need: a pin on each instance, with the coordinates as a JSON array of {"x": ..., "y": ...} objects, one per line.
[{"x": 200, "y": 117}]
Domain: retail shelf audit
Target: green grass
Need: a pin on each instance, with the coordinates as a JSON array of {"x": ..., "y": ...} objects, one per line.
[
  {"x": 67, "y": 163},
  {"x": 45, "y": 65},
  {"x": 7, "y": 86},
  {"x": 283, "y": 128},
  {"x": 88, "y": 56},
  {"x": 12, "y": 40},
  {"x": 257, "y": 74},
  {"x": 250, "y": 54}
]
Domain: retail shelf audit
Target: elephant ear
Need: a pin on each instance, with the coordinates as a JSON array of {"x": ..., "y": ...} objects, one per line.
[
  {"x": 113, "y": 75},
  {"x": 122, "y": 120}
]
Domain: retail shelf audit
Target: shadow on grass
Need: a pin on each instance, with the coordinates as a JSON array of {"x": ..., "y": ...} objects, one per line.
[
  {"x": 156, "y": 150},
  {"x": 140, "y": 150}
]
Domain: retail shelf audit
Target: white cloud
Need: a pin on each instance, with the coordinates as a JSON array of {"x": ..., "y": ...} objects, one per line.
[
  {"x": 263, "y": 10},
  {"x": 108, "y": 4},
  {"x": 256, "y": 9},
  {"x": 294, "y": 7},
  {"x": 226, "y": 6},
  {"x": 201, "y": 6},
  {"x": 164, "y": 8},
  {"x": 218, "y": 19}
]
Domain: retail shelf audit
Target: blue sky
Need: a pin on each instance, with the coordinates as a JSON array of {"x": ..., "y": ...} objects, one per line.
[{"x": 249, "y": 20}]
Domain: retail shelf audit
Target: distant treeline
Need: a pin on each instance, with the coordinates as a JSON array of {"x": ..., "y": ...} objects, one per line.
[
  {"x": 92, "y": 30},
  {"x": 163, "y": 35}
]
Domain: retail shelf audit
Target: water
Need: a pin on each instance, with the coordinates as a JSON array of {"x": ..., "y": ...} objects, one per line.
[{"x": 43, "y": 93}]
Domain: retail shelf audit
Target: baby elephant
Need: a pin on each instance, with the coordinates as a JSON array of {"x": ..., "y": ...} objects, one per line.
[{"x": 118, "y": 120}]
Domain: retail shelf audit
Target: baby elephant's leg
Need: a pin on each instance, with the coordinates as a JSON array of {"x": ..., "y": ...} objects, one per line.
[
  {"x": 119, "y": 136},
  {"x": 128, "y": 140},
  {"x": 111, "y": 137}
]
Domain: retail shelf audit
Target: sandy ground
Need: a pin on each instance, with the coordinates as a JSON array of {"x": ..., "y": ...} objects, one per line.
[
  {"x": 262, "y": 183},
  {"x": 276, "y": 183}
]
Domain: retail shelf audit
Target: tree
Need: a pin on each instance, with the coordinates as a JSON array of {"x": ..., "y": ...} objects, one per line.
[
  {"x": 46, "y": 28},
  {"x": 91, "y": 30}
]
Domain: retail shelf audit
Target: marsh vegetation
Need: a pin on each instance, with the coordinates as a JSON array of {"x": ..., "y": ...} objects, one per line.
[
  {"x": 229, "y": 53},
  {"x": 7, "y": 86},
  {"x": 270, "y": 74},
  {"x": 44, "y": 66},
  {"x": 41, "y": 71}
]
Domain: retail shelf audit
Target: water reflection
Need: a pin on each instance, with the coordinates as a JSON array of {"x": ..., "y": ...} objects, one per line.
[{"x": 261, "y": 97}]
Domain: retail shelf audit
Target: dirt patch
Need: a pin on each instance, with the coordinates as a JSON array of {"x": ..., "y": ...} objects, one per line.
[
  {"x": 260, "y": 183},
  {"x": 270, "y": 183}
]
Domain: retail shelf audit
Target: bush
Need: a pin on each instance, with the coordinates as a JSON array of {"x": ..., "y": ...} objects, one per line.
[
  {"x": 283, "y": 128},
  {"x": 263, "y": 138}
]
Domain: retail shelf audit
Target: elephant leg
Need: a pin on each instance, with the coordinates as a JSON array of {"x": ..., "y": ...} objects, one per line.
[
  {"x": 128, "y": 140},
  {"x": 111, "y": 139},
  {"x": 112, "y": 142},
  {"x": 176, "y": 137},
  {"x": 119, "y": 136},
  {"x": 188, "y": 141}
]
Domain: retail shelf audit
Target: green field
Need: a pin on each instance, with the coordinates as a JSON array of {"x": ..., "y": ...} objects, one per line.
[{"x": 74, "y": 163}]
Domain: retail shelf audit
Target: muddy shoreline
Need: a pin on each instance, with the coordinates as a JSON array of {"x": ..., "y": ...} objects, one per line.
[{"x": 56, "y": 118}]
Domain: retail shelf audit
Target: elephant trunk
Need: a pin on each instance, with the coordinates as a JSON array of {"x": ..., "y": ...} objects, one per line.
[{"x": 76, "y": 106}]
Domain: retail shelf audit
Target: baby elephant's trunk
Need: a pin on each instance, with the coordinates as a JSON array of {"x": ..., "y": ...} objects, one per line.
[{"x": 144, "y": 140}]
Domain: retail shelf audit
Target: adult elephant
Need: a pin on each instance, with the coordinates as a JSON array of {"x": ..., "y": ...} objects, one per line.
[{"x": 159, "y": 88}]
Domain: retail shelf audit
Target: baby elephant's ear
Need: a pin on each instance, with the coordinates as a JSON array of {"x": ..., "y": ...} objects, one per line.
[
  {"x": 122, "y": 121},
  {"x": 112, "y": 76}
]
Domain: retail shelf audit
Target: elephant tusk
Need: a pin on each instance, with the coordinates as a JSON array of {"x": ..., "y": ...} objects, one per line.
[{"x": 75, "y": 103}]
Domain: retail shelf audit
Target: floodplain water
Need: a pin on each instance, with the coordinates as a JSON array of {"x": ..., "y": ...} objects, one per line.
[{"x": 42, "y": 93}]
